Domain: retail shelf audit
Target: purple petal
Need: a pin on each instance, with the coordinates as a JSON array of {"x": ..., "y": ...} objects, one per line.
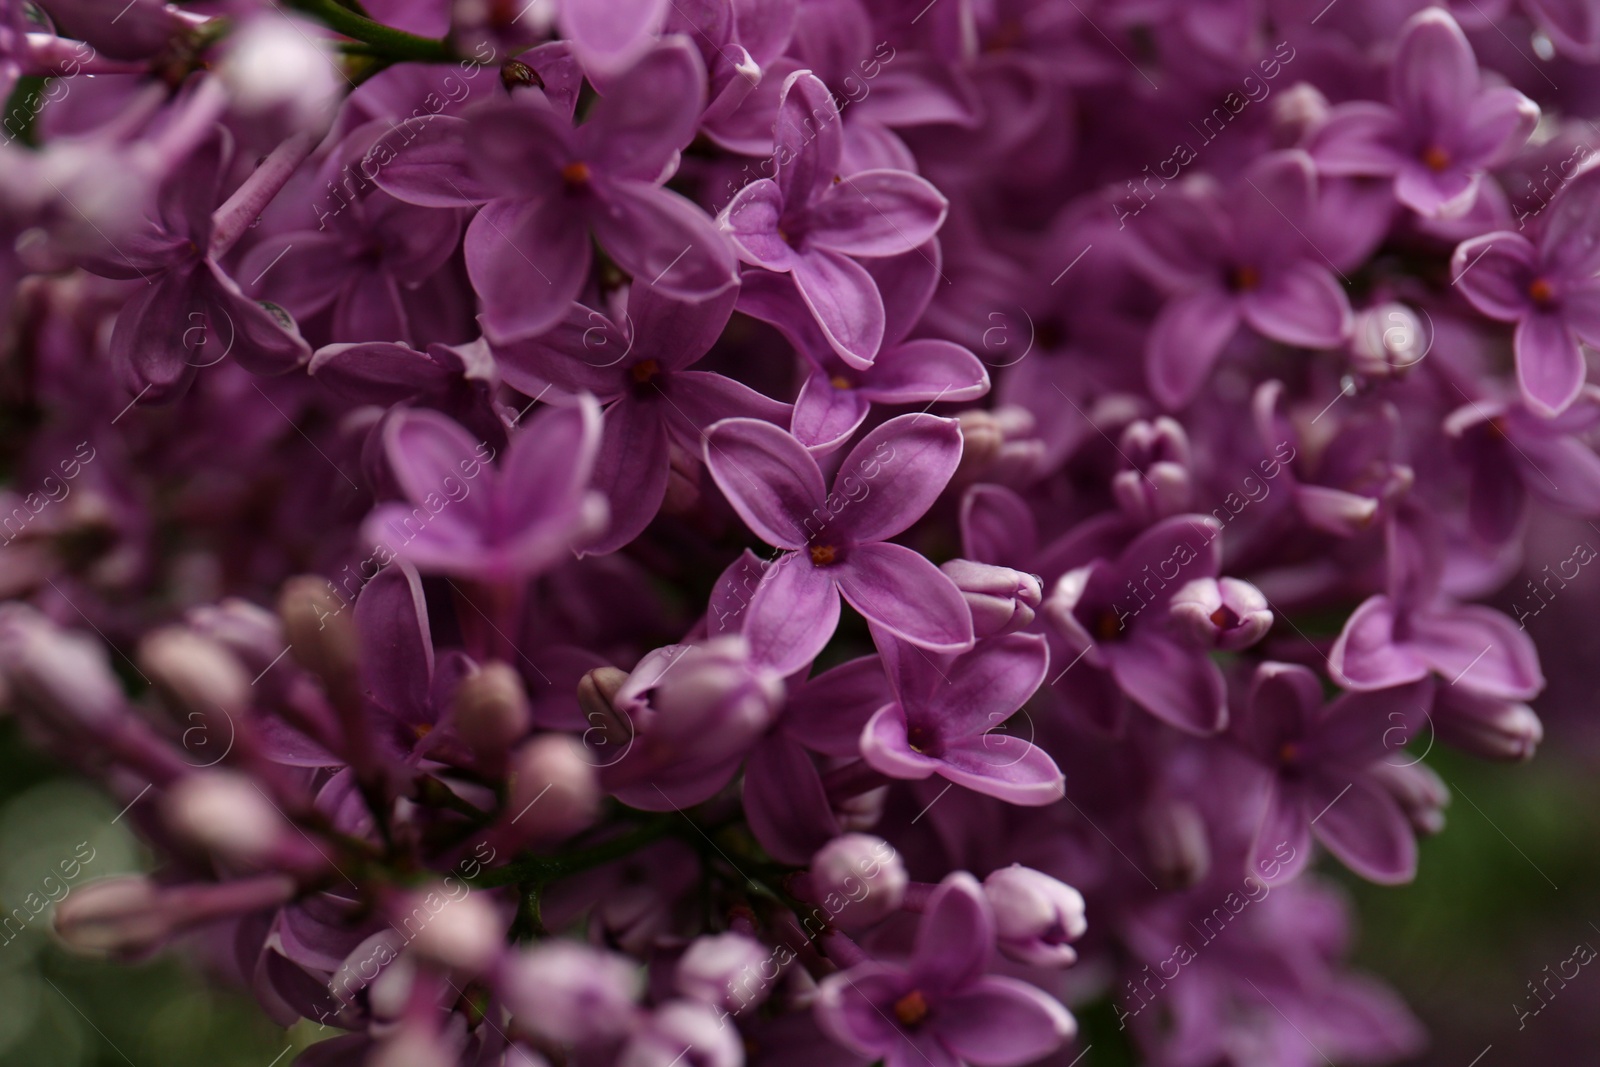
[
  {"x": 1550, "y": 365},
  {"x": 997, "y": 526},
  {"x": 807, "y": 138},
  {"x": 1498, "y": 125},
  {"x": 1283, "y": 699},
  {"x": 894, "y": 474},
  {"x": 430, "y": 165},
  {"x": 672, "y": 331},
  {"x": 1366, "y": 655},
  {"x": 1285, "y": 827},
  {"x": 850, "y": 1007},
  {"x": 785, "y": 803},
  {"x": 1481, "y": 649},
  {"x": 1358, "y": 729},
  {"x": 905, "y": 594},
  {"x": 1005, "y": 767},
  {"x": 1188, "y": 335},
  {"x": 955, "y": 938},
  {"x": 1300, "y": 304},
  {"x": 845, "y": 301},
  {"x": 517, "y": 151},
  {"x": 1570, "y": 242},
  {"x": 752, "y": 219},
  {"x": 1494, "y": 271},
  {"x": 548, "y": 465},
  {"x": 829, "y": 711},
  {"x": 1003, "y": 1021},
  {"x": 986, "y": 686},
  {"x": 923, "y": 371},
  {"x": 1573, "y": 24},
  {"x": 609, "y": 35},
  {"x": 1434, "y": 76},
  {"x": 631, "y": 470},
  {"x": 792, "y": 615},
  {"x": 1181, "y": 687},
  {"x": 907, "y": 283},
  {"x": 527, "y": 261},
  {"x": 1357, "y": 140},
  {"x": 877, "y": 213},
  {"x": 825, "y": 415},
  {"x": 665, "y": 239},
  {"x": 650, "y": 113},
  {"x": 378, "y": 372},
  {"x": 396, "y": 649},
  {"x": 1443, "y": 195},
  {"x": 142, "y": 337},
  {"x": 696, "y": 399},
  {"x": 768, "y": 477},
  {"x": 885, "y": 745},
  {"x": 1363, "y": 825}
]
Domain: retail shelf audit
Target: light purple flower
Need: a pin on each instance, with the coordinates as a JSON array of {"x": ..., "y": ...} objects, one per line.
[
  {"x": 1321, "y": 758},
  {"x": 1441, "y": 129},
  {"x": 1548, "y": 289},
  {"x": 837, "y": 543},
  {"x": 545, "y": 187},
  {"x": 940, "y": 1007},
  {"x": 810, "y": 220},
  {"x": 947, "y": 715}
]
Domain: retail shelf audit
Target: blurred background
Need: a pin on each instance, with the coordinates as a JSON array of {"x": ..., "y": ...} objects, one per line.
[{"x": 1485, "y": 945}]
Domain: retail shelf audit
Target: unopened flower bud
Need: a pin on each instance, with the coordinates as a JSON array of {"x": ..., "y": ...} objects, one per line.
[
  {"x": 1223, "y": 613},
  {"x": 1486, "y": 726},
  {"x": 554, "y": 791},
  {"x": 1421, "y": 793},
  {"x": 1295, "y": 112},
  {"x": 275, "y": 70},
  {"x": 982, "y": 437},
  {"x": 597, "y": 696},
  {"x": 130, "y": 917},
  {"x": 322, "y": 635},
  {"x": 1175, "y": 839},
  {"x": 1157, "y": 484},
  {"x": 1035, "y": 916},
  {"x": 56, "y": 672},
  {"x": 491, "y": 711},
  {"x": 194, "y": 673},
  {"x": 570, "y": 993},
  {"x": 1388, "y": 339},
  {"x": 861, "y": 874},
  {"x": 724, "y": 971},
  {"x": 678, "y": 1028},
  {"x": 453, "y": 927},
  {"x": 1002, "y": 600},
  {"x": 225, "y": 813}
]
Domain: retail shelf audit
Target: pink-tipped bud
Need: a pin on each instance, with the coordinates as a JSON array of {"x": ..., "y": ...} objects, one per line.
[
  {"x": 680, "y": 1030},
  {"x": 1388, "y": 340},
  {"x": 1420, "y": 791},
  {"x": 195, "y": 674},
  {"x": 1002, "y": 600},
  {"x": 1035, "y": 916},
  {"x": 1157, "y": 484},
  {"x": 570, "y": 993},
  {"x": 453, "y": 927},
  {"x": 58, "y": 674},
  {"x": 226, "y": 814},
  {"x": 491, "y": 711},
  {"x": 553, "y": 791},
  {"x": 1485, "y": 726},
  {"x": 1295, "y": 112},
  {"x": 859, "y": 879},
  {"x": 724, "y": 971},
  {"x": 1223, "y": 613}
]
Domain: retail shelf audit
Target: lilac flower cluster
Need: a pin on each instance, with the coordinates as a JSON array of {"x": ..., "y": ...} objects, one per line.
[{"x": 640, "y": 532}]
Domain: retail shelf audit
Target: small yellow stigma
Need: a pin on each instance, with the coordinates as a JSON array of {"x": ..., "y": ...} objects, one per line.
[
  {"x": 1541, "y": 291},
  {"x": 576, "y": 173},
  {"x": 1246, "y": 278},
  {"x": 839, "y": 381},
  {"x": 644, "y": 371},
  {"x": 912, "y": 1008},
  {"x": 1435, "y": 158},
  {"x": 1107, "y": 626},
  {"x": 823, "y": 555},
  {"x": 1288, "y": 752}
]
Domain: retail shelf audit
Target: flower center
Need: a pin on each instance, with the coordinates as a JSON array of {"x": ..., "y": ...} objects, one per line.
[
  {"x": 911, "y": 1009},
  {"x": 1435, "y": 158},
  {"x": 644, "y": 371},
  {"x": 1245, "y": 279},
  {"x": 839, "y": 381},
  {"x": 1225, "y": 618},
  {"x": 919, "y": 739},
  {"x": 1542, "y": 291},
  {"x": 823, "y": 555},
  {"x": 576, "y": 174},
  {"x": 1289, "y": 753},
  {"x": 1108, "y": 625}
]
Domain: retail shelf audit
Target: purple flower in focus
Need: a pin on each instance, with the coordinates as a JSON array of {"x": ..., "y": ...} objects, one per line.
[
  {"x": 1549, "y": 289},
  {"x": 463, "y": 517},
  {"x": 945, "y": 708},
  {"x": 810, "y": 220},
  {"x": 1440, "y": 130},
  {"x": 1230, "y": 260},
  {"x": 837, "y": 543},
  {"x": 545, "y": 187},
  {"x": 635, "y": 363},
  {"x": 1114, "y": 615},
  {"x": 1321, "y": 758},
  {"x": 940, "y": 1007}
]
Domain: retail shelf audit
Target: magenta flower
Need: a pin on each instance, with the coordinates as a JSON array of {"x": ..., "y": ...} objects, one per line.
[
  {"x": 811, "y": 219},
  {"x": 1441, "y": 130},
  {"x": 1322, "y": 758},
  {"x": 945, "y": 709},
  {"x": 1548, "y": 289},
  {"x": 464, "y": 517},
  {"x": 1115, "y": 615},
  {"x": 545, "y": 187},
  {"x": 1228, "y": 261},
  {"x": 635, "y": 363},
  {"x": 940, "y": 1007},
  {"x": 837, "y": 543}
]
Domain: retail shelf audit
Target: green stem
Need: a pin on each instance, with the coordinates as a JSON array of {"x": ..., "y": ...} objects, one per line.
[
  {"x": 540, "y": 870},
  {"x": 392, "y": 43}
]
